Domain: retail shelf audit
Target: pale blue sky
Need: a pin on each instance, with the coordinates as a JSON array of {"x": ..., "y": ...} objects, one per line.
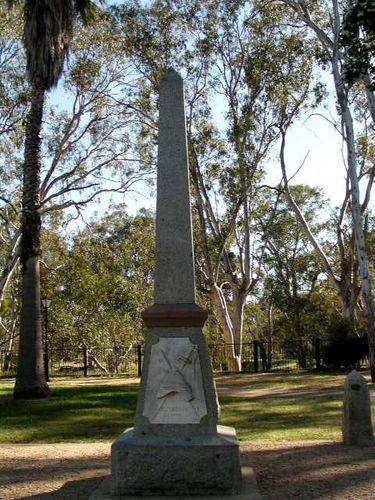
[{"x": 324, "y": 166}]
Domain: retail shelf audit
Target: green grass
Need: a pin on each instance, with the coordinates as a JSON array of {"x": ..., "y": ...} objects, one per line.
[
  {"x": 277, "y": 419},
  {"x": 99, "y": 409},
  {"x": 74, "y": 412},
  {"x": 284, "y": 380}
]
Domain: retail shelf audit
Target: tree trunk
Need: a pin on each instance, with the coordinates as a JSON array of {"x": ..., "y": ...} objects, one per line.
[
  {"x": 95, "y": 362},
  {"x": 269, "y": 336},
  {"x": 357, "y": 216},
  {"x": 233, "y": 359},
  {"x": 30, "y": 381},
  {"x": 370, "y": 96},
  {"x": 10, "y": 265},
  {"x": 12, "y": 335},
  {"x": 237, "y": 323},
  {"x": 349, "y": 293},
  {"x": 8, "y": 354}
]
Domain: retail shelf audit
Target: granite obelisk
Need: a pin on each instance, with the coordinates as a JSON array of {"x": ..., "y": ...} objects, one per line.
[{"x": 175, "y": 447}]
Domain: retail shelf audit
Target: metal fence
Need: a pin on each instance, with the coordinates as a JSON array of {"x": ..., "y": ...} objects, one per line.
[
  {"x": 78, "y": 361},
  {"x": 256, "y": 356}
]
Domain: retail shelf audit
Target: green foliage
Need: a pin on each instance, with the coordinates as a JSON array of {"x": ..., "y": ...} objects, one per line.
[
  {"x": 358, "y": 40},
  {"x": 100, "y": 283},
  {"x": 247, "y": 67},
  {"x": 294, "y": 283}
]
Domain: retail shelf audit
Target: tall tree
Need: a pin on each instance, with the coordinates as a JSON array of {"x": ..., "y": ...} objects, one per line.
[
  {"x": 358, "y": 40},
  {"x": 258, "y": 71},
  {"x": 232, "y": 52},
  {"x": 291, "y": 267},
  {"x": 90, "y": 132},
  {"x": 325, "y": 19},
  {"x": 47, "y": 35},
  {"x": 13, "y": 106}
]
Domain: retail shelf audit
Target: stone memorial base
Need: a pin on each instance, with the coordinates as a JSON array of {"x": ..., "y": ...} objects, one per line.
[
  {"x": 249, "y": 491},
  {"x": 167, "y": 466}
]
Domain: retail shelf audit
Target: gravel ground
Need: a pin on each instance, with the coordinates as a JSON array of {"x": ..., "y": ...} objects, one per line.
[
  {"x": 41, "y": 471},
  {"x": 284, "y": 470},
  {"x": 312, "y": 469}
]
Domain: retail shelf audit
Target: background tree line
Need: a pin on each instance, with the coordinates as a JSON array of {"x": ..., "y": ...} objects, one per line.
[{"x": 274, "y": 260}]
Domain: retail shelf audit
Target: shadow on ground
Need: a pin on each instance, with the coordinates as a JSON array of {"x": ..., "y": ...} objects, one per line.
[
  {"x": 314, "y": 470},
  {"x": 80, "y": 413},
  {"x": 66, "y": 470},
  {"x": 305, "y": 470},
  {"x": 266, "y": 407},
  {"x": 77, "y": 490}
]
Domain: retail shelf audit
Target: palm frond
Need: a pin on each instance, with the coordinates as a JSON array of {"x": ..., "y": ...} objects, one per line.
[
  {"x": 48, "y": 31},
  {"x": 87, "y": 10}
]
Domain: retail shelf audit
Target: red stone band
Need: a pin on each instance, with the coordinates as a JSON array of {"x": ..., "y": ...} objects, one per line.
[{"x": 174, "y": 315}]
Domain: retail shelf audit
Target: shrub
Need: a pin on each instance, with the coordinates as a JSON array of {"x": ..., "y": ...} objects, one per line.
[{"x": 345, "y": 348}]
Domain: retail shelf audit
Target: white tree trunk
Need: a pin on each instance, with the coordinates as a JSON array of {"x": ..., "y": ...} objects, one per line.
[
  {"x": 332, "y": 48},
  {"x": 370, "y": 96},
  {"x": 10, "y": 266},
  {"x": 357, "y": 213},
  {"x": 233, "y": 359}
]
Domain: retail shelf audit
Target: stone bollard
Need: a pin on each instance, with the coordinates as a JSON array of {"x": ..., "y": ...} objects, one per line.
[{"x": 356, "y": 421}]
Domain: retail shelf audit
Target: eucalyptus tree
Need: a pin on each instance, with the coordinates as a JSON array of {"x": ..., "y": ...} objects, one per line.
[
  {"x": 47, "y": 35},
  {"x": 13, "y": 105},
  {"x": 259, "y": 71},
  {"x": 104, "y": 279},
  {"x": 358, "y": 41},
  {"x": 229, "y": 54},
  {"x": 292, "y": 267},
  {"x": 324, "y": 20},
  {"x": 230, "y": 266},
  {"x": 341, "y": 264}
]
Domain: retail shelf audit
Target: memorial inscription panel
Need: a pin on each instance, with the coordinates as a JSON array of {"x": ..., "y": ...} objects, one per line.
[{"x": 174, "y": 389}]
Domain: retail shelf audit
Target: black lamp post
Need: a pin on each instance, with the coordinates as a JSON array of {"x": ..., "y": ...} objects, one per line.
[{"x": 46, "y": 304}]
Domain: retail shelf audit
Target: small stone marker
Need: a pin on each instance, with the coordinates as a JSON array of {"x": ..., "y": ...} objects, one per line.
[
  {"x": 356, "y": 422},
  {"x": 176, "y": 446}
]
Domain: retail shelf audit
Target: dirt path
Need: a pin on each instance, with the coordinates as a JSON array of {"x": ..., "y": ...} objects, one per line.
[
  {"x": 41, "y": 471},
  {"x": 284, "y": 470},
  {"x": 244, "y": 392},
  {"x": 312, "y": 469}
]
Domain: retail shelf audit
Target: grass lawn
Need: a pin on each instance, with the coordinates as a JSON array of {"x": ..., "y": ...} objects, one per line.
[
  {"x": 283, "y": 380},
  {"x": 99, "y": 409}
]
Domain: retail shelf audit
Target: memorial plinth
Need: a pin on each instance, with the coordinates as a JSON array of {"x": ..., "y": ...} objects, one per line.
[
  {"x": 176, "y": 446},
  {"x": 356, "y": 418}
]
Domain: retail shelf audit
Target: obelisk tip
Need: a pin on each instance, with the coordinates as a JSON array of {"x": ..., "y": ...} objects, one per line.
[{"x": 171, "y": 74}]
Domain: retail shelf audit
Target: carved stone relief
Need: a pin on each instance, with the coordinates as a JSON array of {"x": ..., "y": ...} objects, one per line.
[{"x": 174, "y": 390}]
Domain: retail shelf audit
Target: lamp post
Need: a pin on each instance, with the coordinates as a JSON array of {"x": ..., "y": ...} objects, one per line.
[
  {"x": 46, "y": 304},
  {"x": 139, "y": 357}
]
